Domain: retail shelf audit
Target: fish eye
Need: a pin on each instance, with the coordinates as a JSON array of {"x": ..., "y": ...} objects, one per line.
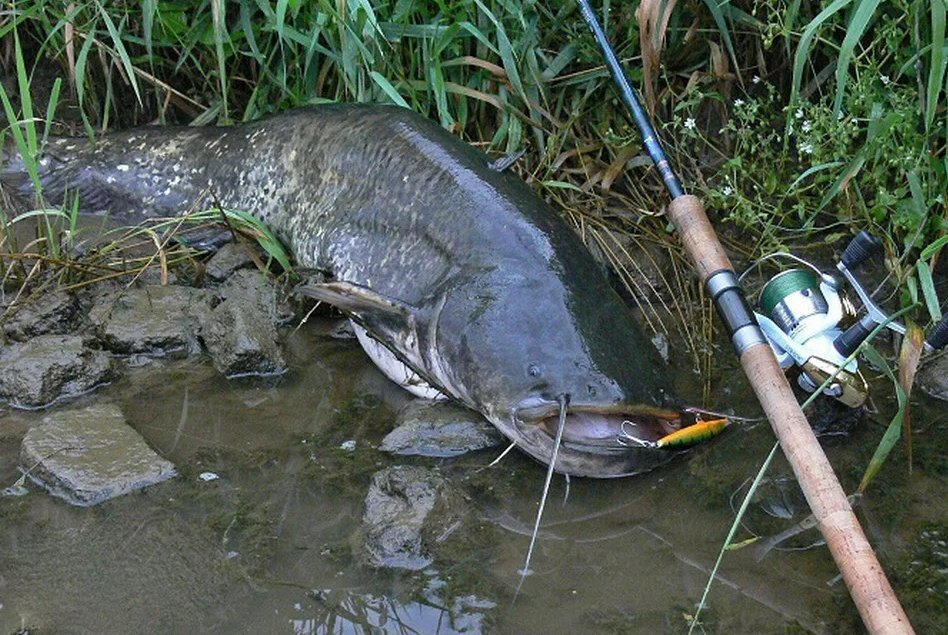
[{"x": 533, "y": 370}]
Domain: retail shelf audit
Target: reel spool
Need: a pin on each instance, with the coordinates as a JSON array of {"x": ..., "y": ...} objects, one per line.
[
  {"x": 800, "y": 314},
  {"x": 800, "y": 310}
]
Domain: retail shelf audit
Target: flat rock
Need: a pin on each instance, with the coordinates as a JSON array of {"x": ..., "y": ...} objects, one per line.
[
  {"x": 438, "y": 429},
  {"x": 153, "y": 320},
  {"x": 89, "y": 455},
  {"x": 227, "y": 260},
  {"x": 397, "y": 507},
  {"x": 47, "y": 368},
  {"x": 55, "y": 312}
]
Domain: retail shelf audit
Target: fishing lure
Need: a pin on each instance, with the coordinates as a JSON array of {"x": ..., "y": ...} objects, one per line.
[{"x": 683, "y": 438}]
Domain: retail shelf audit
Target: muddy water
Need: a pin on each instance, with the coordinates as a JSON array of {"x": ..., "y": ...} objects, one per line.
[{"x": 272, "y": 545}]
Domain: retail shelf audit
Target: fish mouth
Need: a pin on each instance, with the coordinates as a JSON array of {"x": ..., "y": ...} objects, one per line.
[{"x": 601, "y": 441}]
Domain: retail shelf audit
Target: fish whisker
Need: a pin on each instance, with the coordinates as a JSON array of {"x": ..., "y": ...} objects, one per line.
[{"x": 564, "y": 403}]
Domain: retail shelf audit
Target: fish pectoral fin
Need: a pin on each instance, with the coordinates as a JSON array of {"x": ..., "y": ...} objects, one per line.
[
  {"x": 354, "y": 298},
  {"x": 501, "y": 164}
]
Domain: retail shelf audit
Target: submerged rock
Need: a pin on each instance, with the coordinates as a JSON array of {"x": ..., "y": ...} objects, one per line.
[
  {"x": 154, "y": 320},
  {"x": 438, "y": 429},
  {"x": 47, "y": 368},
  {"x": 90, "y": 455},
  {"x": 54, "y": 312},
  {"x": 241, "y": 332},
  {"x": 396, "y": 516},
  {"x": 932, "y": 378}
]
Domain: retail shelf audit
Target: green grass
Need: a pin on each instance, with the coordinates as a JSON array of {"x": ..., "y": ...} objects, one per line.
[{"x": 799, "y": 122}]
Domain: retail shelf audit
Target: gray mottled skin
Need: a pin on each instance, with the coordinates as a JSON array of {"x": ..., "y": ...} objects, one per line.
[{"x": 463, "y": 272}]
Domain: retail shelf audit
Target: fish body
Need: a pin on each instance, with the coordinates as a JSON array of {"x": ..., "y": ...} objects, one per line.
[{"x": 460, "y": 272}]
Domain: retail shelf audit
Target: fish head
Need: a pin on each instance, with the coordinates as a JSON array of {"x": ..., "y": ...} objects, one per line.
[{"x": 524, "y": 346}]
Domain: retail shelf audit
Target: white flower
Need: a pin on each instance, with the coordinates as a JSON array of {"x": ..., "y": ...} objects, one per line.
[
  {"x": 940, "y": 199},
  {"x": 690, "y": 123},
  {"x": 839, "y": 116},
  {"x": 738, "y": 103},
  {"x": 806, "y": 148},
  {"x": 727, "y": 190},
  {"x": 756, "y": 79},
  {"x": 799, "y": 113},
  {"x": 805, "y": 127},
  {"x": 884, "y": 79}
]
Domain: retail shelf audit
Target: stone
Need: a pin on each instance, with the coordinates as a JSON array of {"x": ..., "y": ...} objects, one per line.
[
  {"x": 253, "y": 287},
  {"x": 47, "y": 368},
  {"x": 89, "y": 455},
  {"x": 241, "y": 332},
  {"x": 227, "y": 260},
  {"x": 397, "y": 509},
  {"x": 932, "y": 377},
  {"x": 242, "y": 339},
  {"x": 154, "y": 320},
  {"x": 438, "y": 429},
  {"x": 55, "y": 312}
]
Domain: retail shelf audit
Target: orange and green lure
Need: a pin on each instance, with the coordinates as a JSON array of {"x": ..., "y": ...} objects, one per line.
[{"x": 693, "y": 434}]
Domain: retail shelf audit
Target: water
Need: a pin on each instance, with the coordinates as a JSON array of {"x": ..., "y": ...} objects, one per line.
[{"x": 272, "y": 545}]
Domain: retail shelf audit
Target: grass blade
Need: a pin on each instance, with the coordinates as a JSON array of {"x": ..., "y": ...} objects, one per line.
[
  {"x": 120, "y": 50},
  {"x": 388, "y": 89},
  {"x": 936, "y": 69},
  {"x": 857, "y": 26},
  {"x": 927, "y": 284},
  {"x": 803, "y": 52}
]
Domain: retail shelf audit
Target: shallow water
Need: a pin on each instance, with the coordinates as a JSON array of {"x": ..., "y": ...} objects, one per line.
[{"x": 272, "y": 544}]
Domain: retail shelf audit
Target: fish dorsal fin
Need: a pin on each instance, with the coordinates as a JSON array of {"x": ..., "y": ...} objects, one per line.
[{"x": 354, "y": 298}]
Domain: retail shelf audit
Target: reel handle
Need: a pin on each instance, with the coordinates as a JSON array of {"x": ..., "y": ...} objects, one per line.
[
  {"x": 938, "y": 337},
  {"x": 856, "y": 334},
  {"x": 861, "y": 248}
]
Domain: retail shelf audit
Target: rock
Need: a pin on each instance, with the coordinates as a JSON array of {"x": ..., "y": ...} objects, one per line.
[
  {"x": 154, "y": 320},
  {"x": 438, "y": 429},
  {"x": 52, "y": 312},
  {"x": 47, "y": 368},
  {"x": 253, "y": 287},
  {"x": 395, "y": 519},
  {"x": 227, "y": 260},
  {"x": 241, "y": 332},
  {"x": 242, "y": 339},
  {"x": 932, "y": 377},
  {"x": 89, "y": 455}
]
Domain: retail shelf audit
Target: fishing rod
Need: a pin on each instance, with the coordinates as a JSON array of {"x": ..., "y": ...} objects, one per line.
[{"x": 871, "y": 592}]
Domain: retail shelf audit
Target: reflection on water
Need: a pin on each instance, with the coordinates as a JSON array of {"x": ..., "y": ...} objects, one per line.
[{"x": 272, "y": 545}]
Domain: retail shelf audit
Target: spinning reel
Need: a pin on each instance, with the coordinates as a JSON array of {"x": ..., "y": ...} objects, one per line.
[{"x": 800, "y": 310}]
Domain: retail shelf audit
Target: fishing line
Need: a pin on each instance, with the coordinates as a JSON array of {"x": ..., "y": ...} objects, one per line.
[{"x": 564, "y": 402}]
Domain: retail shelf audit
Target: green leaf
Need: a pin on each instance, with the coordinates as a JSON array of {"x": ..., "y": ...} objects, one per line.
[
  {"x": 933, "y": 248},
  {"x": 505, "y": 49},
  {"x": 388, "y": 89},
  {"x": 803, "y": 51},
  {"x": 894, "y": 430},
  {"x": 928, "y": 290},
  {"x": 857, "y": 26},
  {"x": 936, "y": 68},
  {"x": 120, "y": 50},
  {"x": 720, "y": 22},
  {"x": 813, "y": 170}
]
